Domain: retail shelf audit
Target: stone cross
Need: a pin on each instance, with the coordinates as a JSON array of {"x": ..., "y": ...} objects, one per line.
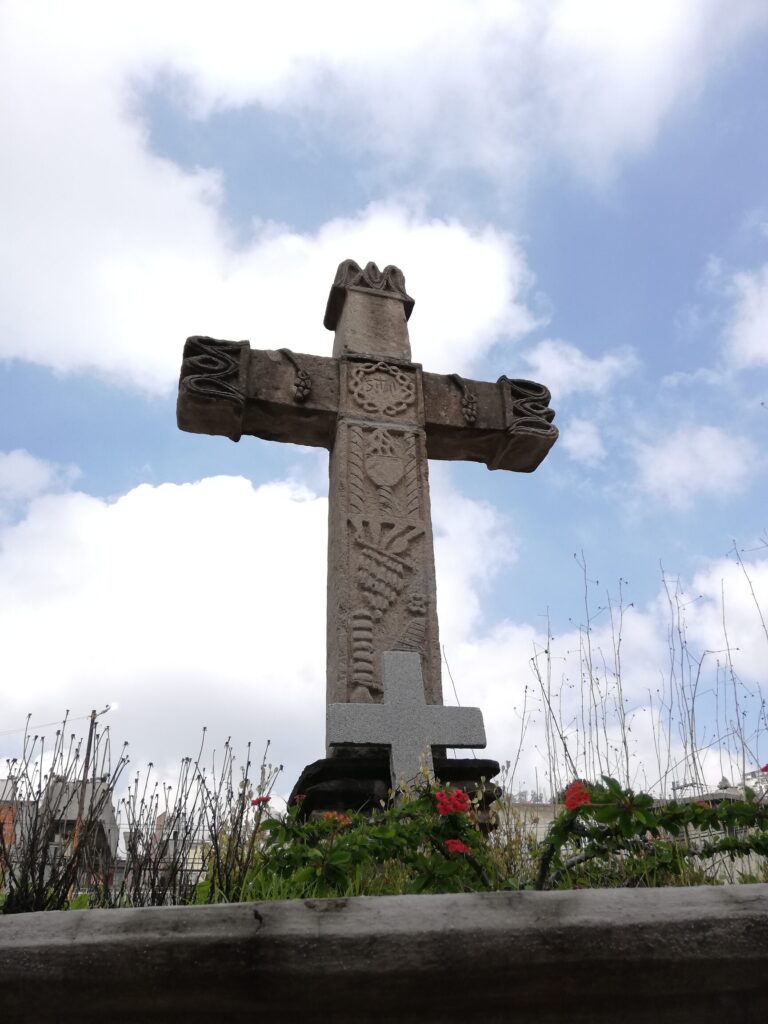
[
  {"x": 381, "y": 416},
  {"x": 403, "y": 721}
]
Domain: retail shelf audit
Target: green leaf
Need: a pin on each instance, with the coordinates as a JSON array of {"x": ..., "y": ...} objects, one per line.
[{"x": 613, "y": 786}]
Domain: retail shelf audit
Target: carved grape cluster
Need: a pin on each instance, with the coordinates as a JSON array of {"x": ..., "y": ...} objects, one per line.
[
  {"x": 302, "y": 386},
  {"x": 469, "y": 408}
]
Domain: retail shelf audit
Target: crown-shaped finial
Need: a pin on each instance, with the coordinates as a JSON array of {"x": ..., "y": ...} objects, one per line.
[{"x": 389, "y": 283}]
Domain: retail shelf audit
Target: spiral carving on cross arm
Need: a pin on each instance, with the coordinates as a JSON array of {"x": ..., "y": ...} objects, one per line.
[
  {"x": 209, "y": 367},
  {"x": 531, "y": 413}
]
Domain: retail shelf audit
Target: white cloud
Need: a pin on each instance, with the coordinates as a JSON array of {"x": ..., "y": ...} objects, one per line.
[
  {"x": 112, "y": 255},
  {"x": 473, "y": 542},
  {"x": 581, "y": 439},
  {"x": 725, "y": 613},
  {"x": 477, "y": 84},
  {"x": 746, "y": 338},
  {"x": 23, "y": 476},
  {"x": 116, "y": 256},
  {"x": 658, "y": 653},
  {"x": 192, "y": 605},
  {"x": 203, "y": 604},
  {"x": 566, "y": 369},
  {"x": 695, "y": 462}
]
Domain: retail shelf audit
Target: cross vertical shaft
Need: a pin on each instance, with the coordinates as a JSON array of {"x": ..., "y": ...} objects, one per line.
[{"x": 381, "y": 579}]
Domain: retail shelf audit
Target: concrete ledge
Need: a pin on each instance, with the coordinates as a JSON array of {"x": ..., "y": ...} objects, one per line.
[{"x": 595, "y": 955}]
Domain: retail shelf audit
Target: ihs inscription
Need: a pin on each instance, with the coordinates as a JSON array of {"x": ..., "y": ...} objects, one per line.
[{"x": 382, "y": 389}]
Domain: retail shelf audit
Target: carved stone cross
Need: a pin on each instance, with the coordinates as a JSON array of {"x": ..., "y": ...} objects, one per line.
[{"x": 381, "y": 416}]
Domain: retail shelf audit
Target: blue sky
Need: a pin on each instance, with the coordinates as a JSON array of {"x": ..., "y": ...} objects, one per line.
[{"x": 576, "y": 193}]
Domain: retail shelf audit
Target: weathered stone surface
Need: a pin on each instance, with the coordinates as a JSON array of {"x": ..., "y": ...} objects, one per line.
[
  {"x": 658, "y": 956},
  {"x": 509, "y": 431},
  {"x": 506, "y": 425},
  {"x": 372, "y": 325},
  {"x": 376, "y": 765},
  {"x": 381, "y": 569},
  {"x": 344, "y": 794},
  {"x": 404, "y": 722},
  {"x": 382, "y": 418}
]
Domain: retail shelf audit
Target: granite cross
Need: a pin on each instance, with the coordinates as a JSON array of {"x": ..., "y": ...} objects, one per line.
[
  {"x": 381, "y": 416},
  {"x": 403, "y": 721}
]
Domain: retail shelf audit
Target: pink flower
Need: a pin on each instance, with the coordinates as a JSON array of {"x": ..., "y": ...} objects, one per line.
[
  {"x": 258, "y": 800},
  {"x": 300, "y": 798},
  {"x": 456, "y": 846},
  {"x": 576, "y": 795}
]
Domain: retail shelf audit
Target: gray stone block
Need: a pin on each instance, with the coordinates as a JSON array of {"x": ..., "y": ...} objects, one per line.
[
  {"x": 626, "y": 956},
  {"x": 404, "y": 722}
]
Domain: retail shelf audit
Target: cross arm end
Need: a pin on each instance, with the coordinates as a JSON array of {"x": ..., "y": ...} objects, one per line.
[
  {"x": 212, "y": 386},
  {"x": 506, "y": 425},
  {"x": 229, "y": 389}
]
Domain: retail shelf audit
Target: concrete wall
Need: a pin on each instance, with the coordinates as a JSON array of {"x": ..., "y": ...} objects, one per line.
[{"x": 622, "y": 956}]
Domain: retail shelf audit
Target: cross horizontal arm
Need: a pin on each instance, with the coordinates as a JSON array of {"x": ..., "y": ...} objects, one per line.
[
  {"x": 506, "y": 425},
  {"x": 454, "y": 727},
  {"x": 436, "y": 725},
  {"x": 230, "y": 389}
]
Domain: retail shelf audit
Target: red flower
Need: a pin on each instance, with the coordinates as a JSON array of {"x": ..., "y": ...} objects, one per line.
[
  {"x": 300, "y": 798},
  {"x": 456, "y": 802},
  {"x": 764, "y": 768},
  {"x": 456, "y": 846},
  {"x": 576, "y": 795},
  {"x": 257, "y": 800},
  {"x": 340, "y": 819}
]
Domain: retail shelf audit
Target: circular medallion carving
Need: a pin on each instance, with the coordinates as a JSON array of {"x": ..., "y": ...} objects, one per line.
[{"x": 381, "y": 388}]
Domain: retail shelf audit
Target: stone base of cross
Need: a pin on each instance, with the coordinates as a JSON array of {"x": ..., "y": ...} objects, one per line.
[{"x": 404, "y": 722}]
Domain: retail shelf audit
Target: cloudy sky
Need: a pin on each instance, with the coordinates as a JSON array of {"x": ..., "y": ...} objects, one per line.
[{"x": 576, "y": 191}]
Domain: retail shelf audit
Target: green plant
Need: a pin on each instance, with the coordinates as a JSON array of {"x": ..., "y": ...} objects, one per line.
[
  {"x": 431, "y": 842},
  {"x": 610, "y": 835}
]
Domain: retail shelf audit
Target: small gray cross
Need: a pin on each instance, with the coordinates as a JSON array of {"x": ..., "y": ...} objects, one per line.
[{"x": 404, "y": 722}]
